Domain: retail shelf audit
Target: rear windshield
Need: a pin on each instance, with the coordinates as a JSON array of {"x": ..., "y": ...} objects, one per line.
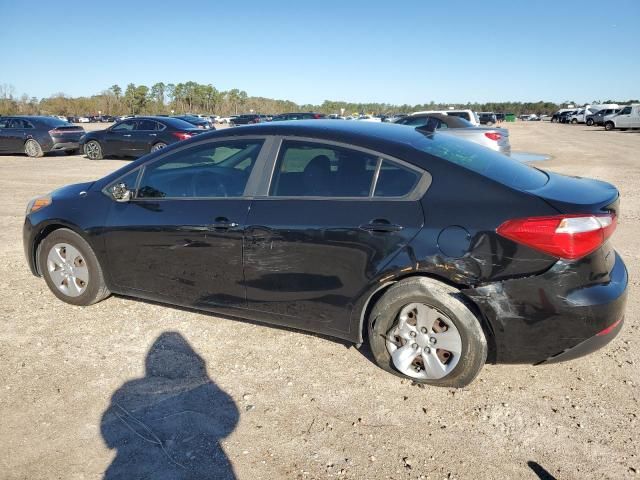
[
  {"x": 53, "y": 122},
  {"x": 476, "y": 158},
  {"x": 177, "y": 123}
]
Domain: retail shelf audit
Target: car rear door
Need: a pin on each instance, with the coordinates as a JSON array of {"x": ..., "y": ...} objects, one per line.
[
  {"x": 143, "y": 136},
  {"x": 180, "y": 238},
  {"x": 320, "y": 234},
  {"x": 14, "y": 135}
]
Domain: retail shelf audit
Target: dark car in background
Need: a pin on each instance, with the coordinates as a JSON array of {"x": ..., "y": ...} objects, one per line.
[
  {"x": 440, "y": 253},
  {"x": 487, "y": 118},
  {"x": 247, "y": 119},
  {"x": 137, "y": 136},
  {"x": 36, "y": 135},
  {"x": 598, "y": 117},
  {"x": 198, "y": 122},
  {"x": 298, "y": 116}
]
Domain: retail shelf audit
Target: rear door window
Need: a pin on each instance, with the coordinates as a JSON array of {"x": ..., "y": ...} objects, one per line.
[
  {"x": 306, "y": 169},
  {"x": 146, "y": 125},
  {"x": 395, "y": 180}
]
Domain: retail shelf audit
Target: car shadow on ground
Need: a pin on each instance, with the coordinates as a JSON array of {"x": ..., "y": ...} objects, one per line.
[{"x": 169, "y": 424}]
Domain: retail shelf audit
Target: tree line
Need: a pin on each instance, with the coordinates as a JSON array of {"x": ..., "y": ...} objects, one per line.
[{"x": 193, "y": 97}]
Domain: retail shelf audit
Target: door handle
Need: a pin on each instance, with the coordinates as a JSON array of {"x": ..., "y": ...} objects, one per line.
[
  {"x": 127, "y": 135},
  {"x": 223, "y": 223},
  {"x": 380, "y": 225},
  {"x": 152, "y": 134}
]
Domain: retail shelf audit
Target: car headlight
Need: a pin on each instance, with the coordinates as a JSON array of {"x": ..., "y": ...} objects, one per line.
[{"x": 37, "y": 203}]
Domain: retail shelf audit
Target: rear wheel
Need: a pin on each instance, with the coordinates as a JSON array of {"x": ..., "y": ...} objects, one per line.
[
  {"x": 590, "y": 122},
  {"x": 424, "y": 330},
  {"x": 158, "y": 146},
  {"x": 93, "y": 150},
  {"x": 608, "y": 126},
  {"x": 71, "y": 269},
  {"x": 574, "y": 121},
  {"x": 33, "y": 148}
]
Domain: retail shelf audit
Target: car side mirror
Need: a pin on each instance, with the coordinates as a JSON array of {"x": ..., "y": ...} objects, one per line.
[{"x": 121, "y": 193}]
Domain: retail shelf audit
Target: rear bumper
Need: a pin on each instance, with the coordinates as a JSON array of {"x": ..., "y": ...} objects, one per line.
[
  {"x": 65, "y": 146},
  {"x": 557, "y": 315}
]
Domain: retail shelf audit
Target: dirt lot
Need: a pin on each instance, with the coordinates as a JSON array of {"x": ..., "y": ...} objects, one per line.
[{"x": 274, "y": 403}]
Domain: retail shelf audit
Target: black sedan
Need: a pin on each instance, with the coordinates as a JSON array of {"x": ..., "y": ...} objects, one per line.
[
  {"x": 247, "y": 119},
  {"x": 36, "y": 136},
  {"x": 137, "y": 136},
  {"x": 440, "y": 253},
  {"x": 198, "y": 122}
]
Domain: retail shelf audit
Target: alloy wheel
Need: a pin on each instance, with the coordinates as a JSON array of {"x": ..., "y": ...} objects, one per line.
[
  {"x": 158, "y": 146},
  {"x": 31, "y": 148},
  {"x": 68, "y": 269},
  {"x": 92, "y": 149},
  {"x": 424, "y": 343}
]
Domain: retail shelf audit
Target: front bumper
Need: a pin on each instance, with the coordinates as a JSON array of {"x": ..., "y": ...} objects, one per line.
[{"x": 555, "y": 315}]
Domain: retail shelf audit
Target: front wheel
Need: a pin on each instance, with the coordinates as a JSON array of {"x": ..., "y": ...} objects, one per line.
[
  {"x": 608, "y": 126},
  {"x": 574, "y": 121},
  {"x": 32, "y": 148},
  {"x": 424, "y": 330},
  {"x": 590, "y": 122},
  {"x": 71, "y": 269},
  {"x": 93, "y": 150}
]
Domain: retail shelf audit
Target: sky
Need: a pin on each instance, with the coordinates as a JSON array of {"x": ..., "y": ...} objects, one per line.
[{"x": 391, "y": 51}]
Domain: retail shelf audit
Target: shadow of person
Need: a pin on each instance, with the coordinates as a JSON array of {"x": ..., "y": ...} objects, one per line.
[{"x": 169, "y": 424}]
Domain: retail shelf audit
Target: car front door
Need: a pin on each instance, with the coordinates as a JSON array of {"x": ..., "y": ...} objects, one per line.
[
  {"x": 332, "y": 218},
  {"x": 180, "y": 238},
  {"x": 118, "y": 139},
  {"x": 623, "y": 119}
]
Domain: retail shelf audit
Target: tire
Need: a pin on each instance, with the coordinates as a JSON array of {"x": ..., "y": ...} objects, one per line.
[
  {"x": 608, "y": 126},
  {"x": 590, "y": 122},
  {"x": 75, "y": 151},
  {"x": 93, "y": 150},
  {"x": 66, "y": 284},
  {"x": 158, "y": 146},
  {"x": 574, "y": 121},
  {"x": 450, "y": 308},
  {"x": 32, "y": 148}
]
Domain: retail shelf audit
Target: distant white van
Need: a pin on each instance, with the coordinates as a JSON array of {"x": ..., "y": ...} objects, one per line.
[
  {"x": 468, "y": 115},
  {"x": 628, "y": 117}
]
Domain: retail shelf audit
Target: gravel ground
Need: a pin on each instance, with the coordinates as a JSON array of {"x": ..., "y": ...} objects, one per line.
[{"x": 154, "y": 391}]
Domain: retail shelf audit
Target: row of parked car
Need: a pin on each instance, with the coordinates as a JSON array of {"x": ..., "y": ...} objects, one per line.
[
  {"x": 137, "y": 136},
  {"x": 611, "y": 116}
]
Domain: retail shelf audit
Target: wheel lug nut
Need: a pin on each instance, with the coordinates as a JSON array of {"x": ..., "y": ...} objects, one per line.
[
  {"x": 415, "y": 346},
  {"x": 433, "y": 340},
  {"x": 412, "y": 334},
  {"x": 427, "y": 350},
  {"x": 423, "y": 330}
]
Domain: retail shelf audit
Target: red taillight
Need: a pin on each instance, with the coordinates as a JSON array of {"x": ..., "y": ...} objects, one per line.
[
  {"x": 182, "y": 135},
  {"x": 317, "y": 116},
  {"x": 564, "y": 236},
  {"x": 495, "y": 136}
]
